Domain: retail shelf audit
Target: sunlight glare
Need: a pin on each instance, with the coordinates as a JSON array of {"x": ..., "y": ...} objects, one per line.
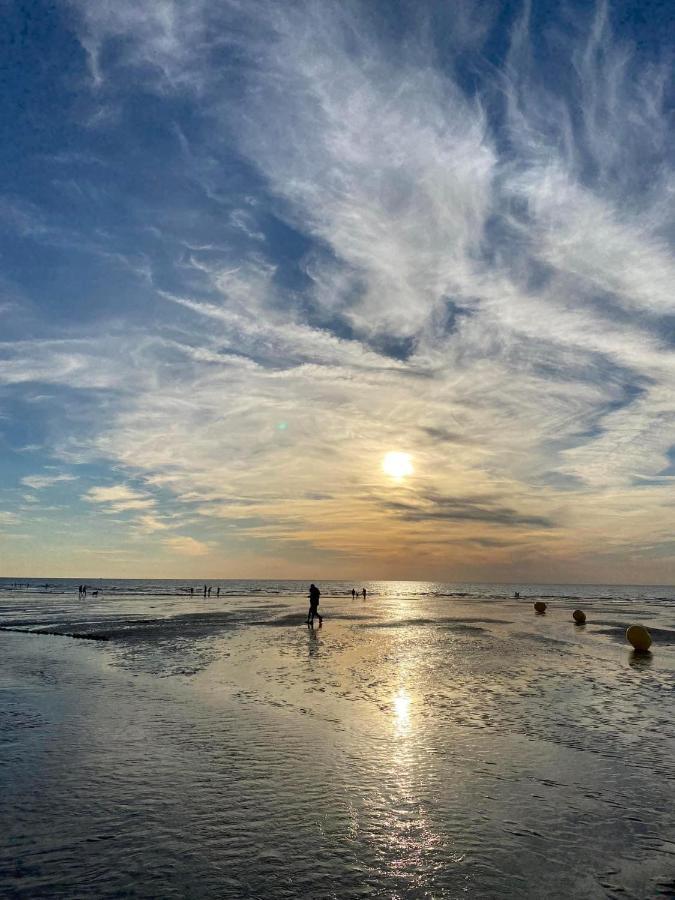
[
  {"x": 397, "y": 465},
  {"x": 401, "y": 707}
]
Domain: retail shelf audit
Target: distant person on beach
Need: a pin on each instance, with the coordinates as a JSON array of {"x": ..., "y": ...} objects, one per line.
[
  {"x": 192, "y": 590},
  {"x": 218, "y": 592},
  {"x": 353, "y": 594},
  {"x": 364, "y": 592},
  {"x": 205, "y": 590},
  {"x": 314, "y": 594},
  {"x": 209, "y": 590}
]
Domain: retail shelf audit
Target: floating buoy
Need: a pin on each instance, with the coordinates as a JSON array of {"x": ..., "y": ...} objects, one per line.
[
  {"x": 639, "y": 637},
  {"x": 540, "y": 606},
  {"x": 579, "y": 616}
]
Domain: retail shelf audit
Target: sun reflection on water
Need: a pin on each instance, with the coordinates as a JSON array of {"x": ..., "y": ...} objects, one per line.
[{"x": 401, "y": 704}]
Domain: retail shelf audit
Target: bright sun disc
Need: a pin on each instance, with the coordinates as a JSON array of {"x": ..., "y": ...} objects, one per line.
[{"x": 398, "y": 465}]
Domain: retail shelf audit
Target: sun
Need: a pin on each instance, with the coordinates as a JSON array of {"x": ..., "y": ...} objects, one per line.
[{"x": 398, "y": 465}]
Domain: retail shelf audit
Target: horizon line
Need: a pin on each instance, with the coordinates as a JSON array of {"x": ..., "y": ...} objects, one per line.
[{"x": 344, "y": 580}]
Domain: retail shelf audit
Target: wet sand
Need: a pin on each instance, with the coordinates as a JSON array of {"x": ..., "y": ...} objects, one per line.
[{"x": 409, "y": 748}]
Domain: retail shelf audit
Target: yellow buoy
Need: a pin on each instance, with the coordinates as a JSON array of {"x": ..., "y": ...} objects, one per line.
[
  {"x": 639, "y": 637},
  {"x": 579, "y": 616},
  {"x": 540, "y": 606}
]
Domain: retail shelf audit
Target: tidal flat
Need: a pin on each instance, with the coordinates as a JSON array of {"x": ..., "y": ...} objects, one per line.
[{"x": 415, "y": 746}]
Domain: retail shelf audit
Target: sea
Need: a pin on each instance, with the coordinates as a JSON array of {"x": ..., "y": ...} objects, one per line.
[{"x": 433, "y": 740}]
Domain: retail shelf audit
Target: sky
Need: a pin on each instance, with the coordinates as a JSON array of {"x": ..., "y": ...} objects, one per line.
[{"x": 247, "y": 248}]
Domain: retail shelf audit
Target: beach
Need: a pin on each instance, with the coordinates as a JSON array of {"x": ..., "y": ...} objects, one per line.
[{"x": 432, "y": 741}]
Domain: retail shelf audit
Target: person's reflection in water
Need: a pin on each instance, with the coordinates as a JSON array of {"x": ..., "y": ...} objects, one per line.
[{"x": 313, "y": 642}]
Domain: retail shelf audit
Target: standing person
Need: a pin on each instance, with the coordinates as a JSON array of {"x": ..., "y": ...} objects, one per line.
[
  {"x": 353, "y": 594},
  {"x": 205, "y": 590},
  {"x": 314, "y": 594},
  {"x": 209, "y": 590},
  {"x": 218, "y": 592},
  {"x": 192, "y": 591},
  {"x": 364, "y": 592}
]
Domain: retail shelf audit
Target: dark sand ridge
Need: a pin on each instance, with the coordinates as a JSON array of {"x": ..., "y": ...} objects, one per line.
[{"x": 129, "y": 628}]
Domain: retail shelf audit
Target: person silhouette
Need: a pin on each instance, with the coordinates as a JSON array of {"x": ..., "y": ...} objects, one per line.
[
  {"x": 314, "y": 594},
  {"x": 353, "y": 594},
  {"x": 364, "y": 593}
]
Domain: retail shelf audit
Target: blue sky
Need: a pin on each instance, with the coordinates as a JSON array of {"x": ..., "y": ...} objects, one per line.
[{"x": 249, "y": 248}]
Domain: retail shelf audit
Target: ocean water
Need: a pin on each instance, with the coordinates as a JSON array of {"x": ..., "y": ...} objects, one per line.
[{"x": 437, "y": 740}]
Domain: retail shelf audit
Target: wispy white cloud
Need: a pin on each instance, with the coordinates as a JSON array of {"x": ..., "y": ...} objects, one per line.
[
  {"x": 119, "y": 498},
  {"x": 149, "y": 524},
  {"x": 186, "y": 546},
  {"x": 163, "y": 35},
  {"x": 38, "y": 482}
]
